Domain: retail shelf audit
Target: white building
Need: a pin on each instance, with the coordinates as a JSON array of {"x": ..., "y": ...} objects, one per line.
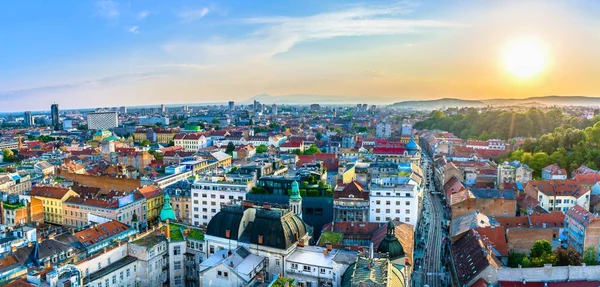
[
  {"x": 177, "y": 263},
  {"x": 210, "y": 193},
  {"x": 232, "y": 268},
  {"x": 394, "y": 199},
  {"x": 102, "y": 120},
  {"x": 191, "y": 142},
  {"x": 318, "y": 266},
  {"x": 559, "y": 195},
  {"x": 164, "y": 121},
  {"x": 383, "y": 130},
  {"x": 151, "y": 252}
]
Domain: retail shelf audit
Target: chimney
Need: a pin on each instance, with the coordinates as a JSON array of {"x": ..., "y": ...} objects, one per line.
[
  {"x": 325, "y": 252},
  {"x": 13, "y": 249},
  {"x": 168, "y": 231},
  {"x": 260, "y": 239},
  {"x": 29, "y": 244}
]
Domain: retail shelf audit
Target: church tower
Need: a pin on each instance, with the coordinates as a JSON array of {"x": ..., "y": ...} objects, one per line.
[{"x": 296, "y": 199}]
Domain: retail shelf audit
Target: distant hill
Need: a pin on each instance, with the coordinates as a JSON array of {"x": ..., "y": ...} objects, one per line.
[
  {"x": 438, "y": 104},
  {"x": 532, "y": 101}
]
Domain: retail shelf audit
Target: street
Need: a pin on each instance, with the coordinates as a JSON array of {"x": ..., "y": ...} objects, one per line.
[{"x": 430, "y": 238}]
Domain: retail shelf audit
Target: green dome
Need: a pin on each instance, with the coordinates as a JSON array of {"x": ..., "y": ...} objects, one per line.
[
  {"x": 390, "y": 243},
  {"x": 295, "y": 196},
  {"x": 167, "y": 211}
]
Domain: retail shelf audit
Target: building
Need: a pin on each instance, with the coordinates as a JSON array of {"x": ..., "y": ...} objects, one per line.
[
  {"x": 383, "y": 130},
  {"x": 273, "y": 233},
  {"x": 180, "y": 195},
  {"x": 191, "y": 142},
  {"x": 554, "y": 171},
  {"x": 583, "y": 230},
  {"x": 559, "y": 195},
  {"x": 154, "y": 202},
  {"x": 120, "y": 206},
  {"x": 99, "y": 236},
  {"x": 210, "y": 193},
  {"x": 238, "y": 267},
  {"x": 104, "y": 120},
  {"x": 15, "y": 183},
  {"x": 473, "y": 260},
  {"x": 53, "y": 200},
  {"x": 513, "y": 172},
  {"x": 351, "y": 203},
  {"x": 152, "y": 254},
  {"x": 55, "y": 117},
  {"x": 395, "y": 199},
  {"x": 231, "y": 106},
  {"x": 28, "y": 119},
  {"x": 318, "y": 266},
  {"x": 150, "y": 121}
]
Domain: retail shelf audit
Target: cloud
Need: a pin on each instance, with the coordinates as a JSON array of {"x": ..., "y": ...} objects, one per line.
[
  {"x": 107, "y": 9},
  {"x": 193, "y": 15},
  {"x": 134, "y": 29},
  {"x": 277, "y": 34},
  {"x": 142, "y": 15}
]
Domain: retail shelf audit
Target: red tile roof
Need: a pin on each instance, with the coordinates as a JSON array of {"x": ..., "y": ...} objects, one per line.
[
  {"x": 581, "y": 215},
  {"x": 49, "y": 191},
  {"x": 496, "y": 237},
  {"x": 508, "y": 222},
  {"x": 101, "y": 232},
  {"x": 555, "y": 219},
  {"x": 388, "y": 150},
  {"x": 352, "y": 190},
  {"x": 588, "y": 178},
  {"x": 559, "y": 187}
]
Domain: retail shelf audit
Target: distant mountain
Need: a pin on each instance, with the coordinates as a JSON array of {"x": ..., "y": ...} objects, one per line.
[
  {"x": 532, "y": 101},
  {"x": 439, "y": 104}
]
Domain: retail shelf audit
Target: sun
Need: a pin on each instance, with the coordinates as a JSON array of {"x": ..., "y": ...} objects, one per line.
[{"x": 525, "y": 58}]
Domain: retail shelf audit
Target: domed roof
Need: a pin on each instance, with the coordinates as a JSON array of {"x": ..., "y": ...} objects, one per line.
[
  {"x": 167, "y": 211},
  {"x": 276, "y": 228},
  {"x": 412, "y": 145},
  {"x": 391, "y": 244}
]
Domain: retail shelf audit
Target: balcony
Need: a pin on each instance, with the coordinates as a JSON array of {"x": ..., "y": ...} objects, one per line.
[{"x": 351, "y": 207}]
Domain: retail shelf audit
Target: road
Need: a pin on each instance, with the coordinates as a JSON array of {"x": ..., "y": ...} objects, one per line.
[{"x": 429, "y": 268}]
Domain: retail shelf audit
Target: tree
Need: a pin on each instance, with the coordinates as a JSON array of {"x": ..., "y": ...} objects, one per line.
[
  {"x": 567, "y": 257},
  {"x": 297, "y": 152},
  {"x": 145, "y": 143},
  {"x": 319, "y": 135},
  {"x": 9, "y": 155},
  {"x": 230, "y": 148},
  {"x": 313, "y": 149},
  {"x": 590, "y": 256},
  {"x": 515, "y": 259},
  {"x": 540, "y": 247},
  {"x": 261, "y": 148}
]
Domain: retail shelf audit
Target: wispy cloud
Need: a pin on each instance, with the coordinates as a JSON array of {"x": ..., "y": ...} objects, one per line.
[
  {"x": 134, "y": 29},
  {"x": 142, "y": 15},
  {"x": 193, "y": 15},
  {"x": 108, "y": 9},
  {"x": 276, "y": 34}
]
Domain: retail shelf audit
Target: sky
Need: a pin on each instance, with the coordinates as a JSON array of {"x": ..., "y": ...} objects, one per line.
[{"x": 110, "y": 53}]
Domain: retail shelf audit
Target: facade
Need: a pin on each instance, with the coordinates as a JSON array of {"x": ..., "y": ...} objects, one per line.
[
  {"x": 210, "y": 193},
  {"x": 15, "y": 183},
  {"x": 55, "y": 117},
  {"x": 28, "y": 119},
  {"x": 102, "y": 120},
  {"x": 191, "y": 142},
  {"x": 383, "y": 130},
  {"x": 269, "y": 232},
  {"x": 152, "y": 254},
  {"x": 554, "y": 171},
  {"x": 351, "y": 203},
  {"x": 99, "y": 236},
  {"x": 118, "y": 206},
  {"x": 514, "y": 172},
  {"x": 53, "y": 200},
  {"x": 583, "y": 230},
  {"x": 238, "y": 267},
  {"x": 398, "y": 200},
  {"x": 559, "y": 195},
  {"x": 181, "y": 200},
  {"x": 154, "y": 202}
]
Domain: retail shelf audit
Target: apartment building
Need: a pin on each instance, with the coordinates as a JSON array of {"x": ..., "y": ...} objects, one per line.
[
  {"x": 559, "y": 195},
  {"x": 120, "y": 206},
  {"x": 394, "y": 199},
  {"x": 53, "y": 199},
  {"x": 210, "y": 193}
]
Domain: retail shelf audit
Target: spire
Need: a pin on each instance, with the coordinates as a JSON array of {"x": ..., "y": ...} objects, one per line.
[
  {"x": 295, "y": 196},
  {"x": 167, "y": 211}
]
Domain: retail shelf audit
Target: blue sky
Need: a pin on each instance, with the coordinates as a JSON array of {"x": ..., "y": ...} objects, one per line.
[{"x": 114, "y": 53}]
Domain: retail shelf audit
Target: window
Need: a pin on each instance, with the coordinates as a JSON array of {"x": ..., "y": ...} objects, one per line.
[
  {"x": 177, "y": 265},
  {"x": 397, "y": 202},
  {"x": 322, "y": 270},
  {"x": 387, "y": 202},
  {"x": 294, "y": 266},
  {"x": 219, "y": 273},
  {"x": 178, "y": 280},
  {"x": 107, "y": 282},
  {"x": 225, "y": 274},
  {"x": 306, "y": 268},
  {"x": 128, "y": 273},
  {"x": 387, "y": 211},
  {"x": 397, "y": 210},
  {"x": 407, "y": 211},
  {"x": 195, "y": 202},
  {"x": 377, "y": 218},
  {"x": 276, "y": 262},
  {"x": 177, "y": 250},
  {"x": 408, "y": 203},
  {"x": 377, "y": 201},
  {"x": 114, "y": 279},
  {"x": 204, "y": 195},
  {"x": 121, "y": 274},
  {"x": 407, "y": 219}
]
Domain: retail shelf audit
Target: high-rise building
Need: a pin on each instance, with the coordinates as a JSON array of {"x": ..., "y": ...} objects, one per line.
[
  {"x": 231, "y": 106},
  {"x": 55, "y": 117},
  {"x": 123, "y": 110},
  {"x": 28, "y": 121},
  {"x": 102, "y": 120},
  {"x": 274, "y": 109},
  {"x": 163, "y": 109}
]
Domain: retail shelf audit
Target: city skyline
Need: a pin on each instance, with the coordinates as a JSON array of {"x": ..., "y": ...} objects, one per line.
[{"x": 114, "y": 53}]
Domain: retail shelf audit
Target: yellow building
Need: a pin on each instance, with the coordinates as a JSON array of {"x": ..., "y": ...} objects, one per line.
[
  {"x": 139, "y": 135},
  {"x": 52, "y": 201},
  {"x": 154, "y": 202}
]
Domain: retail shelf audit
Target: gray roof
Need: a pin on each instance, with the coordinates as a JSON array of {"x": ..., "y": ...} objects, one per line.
[{"x": 493, "y": 193}]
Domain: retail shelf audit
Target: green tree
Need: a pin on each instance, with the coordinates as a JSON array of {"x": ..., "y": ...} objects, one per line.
[
  {"x": 313, "y": 149},
  {"x": 9, "y": 155},
  {"x": 145, "y": 143},
  {"x": 297, "y": 152},
  {"x": 590, "y": 256},
  {"x": 540, "y": 247},
  {"x": 230, "y": 148},
  {"x": 319, "y": 135},
  {"x": 261, "y": 148},
  {"x": 515, "y": 259},
  {"x": 526, "y": 263}
]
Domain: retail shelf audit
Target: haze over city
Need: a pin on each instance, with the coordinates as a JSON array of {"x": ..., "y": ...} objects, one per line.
[{"x": 112, "y": 53}]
